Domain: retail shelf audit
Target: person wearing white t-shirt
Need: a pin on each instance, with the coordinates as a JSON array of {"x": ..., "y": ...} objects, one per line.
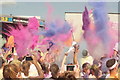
[
  {"x": 86, "y": 58},
  {"x": 32, "y": 69}
]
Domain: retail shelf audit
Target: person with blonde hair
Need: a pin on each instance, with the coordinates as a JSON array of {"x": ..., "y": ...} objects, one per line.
[
  {"x": 10, "y": 72},
  {"x": 25, "y": 69},
  {"x": 31, "y": 68}
]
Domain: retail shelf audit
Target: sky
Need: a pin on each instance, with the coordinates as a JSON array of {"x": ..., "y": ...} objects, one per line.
[{"x": 40, "y": 8}]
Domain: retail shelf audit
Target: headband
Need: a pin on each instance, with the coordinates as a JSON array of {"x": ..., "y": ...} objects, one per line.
[{"x": 113, "y": 66}]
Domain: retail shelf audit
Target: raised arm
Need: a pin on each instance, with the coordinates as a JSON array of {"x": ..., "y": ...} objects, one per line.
[
  {"x": 43, "y": 57},
  {"x": 75, "y": 60},
  {"x": 63, "y": 62},
  {"x": 7, "y": 53},
  {"x": 39, "y": 68}
]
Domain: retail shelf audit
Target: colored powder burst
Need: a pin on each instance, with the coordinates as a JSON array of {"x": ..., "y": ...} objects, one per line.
[
  {"x": 57, "y": 31},
  {"x": 113, "y": 32},
  {"x": 103, "y": 30},
  {"x": 92, "y": 40},
  {"x": 86, "y": 22},
  {"x": 101, "y": 22},
  {"x": 68, "y": 42},
  {"x": 24, "y": 38},
  {"x": 100, "y": 37},
  {"x": 89, "y": 32},
  {"x": 33, "y": 25}
]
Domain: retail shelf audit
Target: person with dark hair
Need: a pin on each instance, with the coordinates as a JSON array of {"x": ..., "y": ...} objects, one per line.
[
  {"x": 46, "y": 69},
  {"x": 25, "y": 69},
  {"x": 67, "y": 76},
  {"x": 31, "y": 68},
  {"x": 86, "y": 70},
  {"x": 112, "y": 65},
  {"x": 103, "y": 67},
  {"x": 95, "y": 72}
]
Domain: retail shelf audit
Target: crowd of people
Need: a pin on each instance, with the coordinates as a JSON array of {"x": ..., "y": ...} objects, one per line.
[{"x": 13, "y": 67}]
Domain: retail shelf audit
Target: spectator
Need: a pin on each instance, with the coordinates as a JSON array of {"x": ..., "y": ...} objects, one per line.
[
  {"x": 67, "y": 76},
  {"x": 2, "y": 63},
  {"x": 10, "y": 72},
  {"x": 116, "y": 53},
  {"x": 54, "y": 71},
  {"x": 95, "y": 72},
  {"x": 32, "y": 69},
  {"x": 103, "y": 67},
  {"x": 86, "y": 58},
  {"x": 112, "y": 65},
  {"x": 46, "y": 69},
  {"x": 15, "y": 60},
  {"x": 76, "y": 68},
  {"x": 25, "y": 69},
  {"x": 116, "y": 50},
  {"x": 86, "y": 70}
]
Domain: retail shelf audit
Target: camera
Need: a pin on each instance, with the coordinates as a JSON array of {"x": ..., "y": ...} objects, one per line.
[
  {"x": 70, "y": 67},
  {"x": 12, "y": 49},
  {"x": 28, "y": 58}
]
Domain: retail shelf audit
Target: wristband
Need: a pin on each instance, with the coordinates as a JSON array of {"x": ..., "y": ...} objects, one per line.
[{"x": 66, "y": 54}]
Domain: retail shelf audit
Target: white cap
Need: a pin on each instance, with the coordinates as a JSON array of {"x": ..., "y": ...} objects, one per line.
[
  {"x": 116, "y": 47},
  {"x": 74, "y": 43}
]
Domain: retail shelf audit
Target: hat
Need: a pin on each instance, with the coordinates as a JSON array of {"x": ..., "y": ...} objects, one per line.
[
  {"x": 116, "y": 47},
  {"x": 85, "y": 53},
  {"x": 74, "y": 43}
]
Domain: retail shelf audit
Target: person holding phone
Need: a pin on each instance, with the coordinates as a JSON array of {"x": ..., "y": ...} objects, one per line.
[
  {"x": 72, "y": 68},
  {"x": 31, "y": 68}
]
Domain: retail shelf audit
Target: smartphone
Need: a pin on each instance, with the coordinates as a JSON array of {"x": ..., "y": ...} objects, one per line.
[
  {"x": 70, "y": 67},
  {"x": 12, "y": 49},
  {"x": 29, "y": 59}
]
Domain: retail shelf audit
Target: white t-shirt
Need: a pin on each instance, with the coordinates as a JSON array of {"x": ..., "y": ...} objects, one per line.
[
  {"x": 32, "y": 72},
  {"x": 23, "y": 76},
  {"x": 1, "y": 73},
  {"x": 88, "y": 59}
]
